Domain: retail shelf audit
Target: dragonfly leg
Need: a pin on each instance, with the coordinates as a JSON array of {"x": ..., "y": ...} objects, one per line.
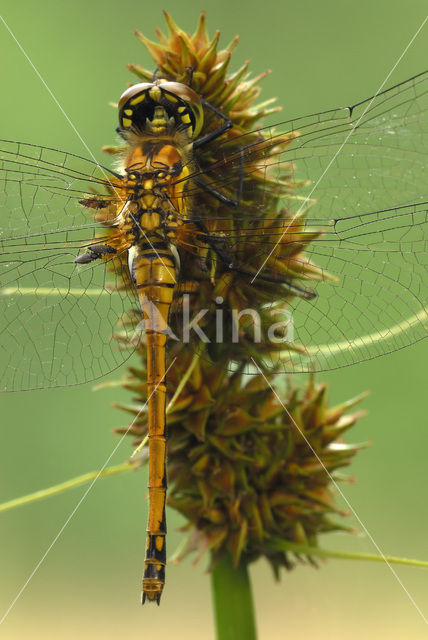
[
  {"x": 95, "y": 202},
  {"x": 219, "y": 195},
  {"x": 94, "y": 252},
  {"x": 218, "y": 245},
  {"x": 191, "y": 71},
  {"x": 212, "y": 135}
]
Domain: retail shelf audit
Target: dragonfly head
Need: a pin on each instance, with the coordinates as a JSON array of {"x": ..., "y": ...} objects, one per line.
[{"x": 151, "y": 106}]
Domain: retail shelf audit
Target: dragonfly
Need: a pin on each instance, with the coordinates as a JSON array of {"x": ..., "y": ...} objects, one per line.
[{"x": 187, "y": 214}]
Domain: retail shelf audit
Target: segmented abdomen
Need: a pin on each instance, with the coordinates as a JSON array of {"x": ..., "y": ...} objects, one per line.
[{"x": 153, "y": 270}]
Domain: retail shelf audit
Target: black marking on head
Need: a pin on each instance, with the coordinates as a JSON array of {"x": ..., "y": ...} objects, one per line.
[{"x": 181, "y": 106}]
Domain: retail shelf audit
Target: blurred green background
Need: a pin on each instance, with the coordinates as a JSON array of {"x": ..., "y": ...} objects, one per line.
[{"x": 322, "y": 55}]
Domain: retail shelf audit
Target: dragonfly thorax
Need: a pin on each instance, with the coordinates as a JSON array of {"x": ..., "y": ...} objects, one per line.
[
  {"x": 154, "y": 178},
  {"x": 150, "y": 209},
  {"x": 157, "y": 162}
]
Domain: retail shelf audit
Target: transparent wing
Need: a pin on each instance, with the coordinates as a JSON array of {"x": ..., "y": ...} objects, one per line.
[
  {"x": 366, "y": 157},
  {"x": 58, "y": 319},
  {"x": 360, "y": 177},
  {"x": 40, "y": 188},
  {"x": 378, "y": 302}
]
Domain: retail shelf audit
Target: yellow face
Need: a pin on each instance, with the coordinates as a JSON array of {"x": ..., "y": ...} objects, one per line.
[{"x": 138, "y": 103}]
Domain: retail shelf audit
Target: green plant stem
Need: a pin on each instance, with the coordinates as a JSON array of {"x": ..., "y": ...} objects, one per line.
[
  {"x": 233, "y": 601},
  {"x": 65, "y": 486}
]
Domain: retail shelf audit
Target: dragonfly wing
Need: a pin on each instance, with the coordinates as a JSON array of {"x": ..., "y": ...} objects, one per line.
[
  {"x": 358, "y": 175},
  {"x": 40, "y": 188},
  {"x": 378, "y": 302},
  {"x": 58, "y": 318},
  {"x": 366, "y": 157}
]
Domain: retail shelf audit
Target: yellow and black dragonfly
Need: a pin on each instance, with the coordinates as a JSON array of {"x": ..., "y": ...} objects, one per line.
[{"x": 193, "y": 213}]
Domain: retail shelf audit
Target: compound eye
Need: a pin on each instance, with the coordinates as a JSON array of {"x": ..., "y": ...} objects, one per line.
[
  {"x": 189, "y": 108},
  {"x": 131, "y": 101}
]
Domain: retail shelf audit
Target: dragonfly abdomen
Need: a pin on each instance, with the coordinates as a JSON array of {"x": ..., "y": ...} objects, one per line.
[{"x": 153, "y": 271}]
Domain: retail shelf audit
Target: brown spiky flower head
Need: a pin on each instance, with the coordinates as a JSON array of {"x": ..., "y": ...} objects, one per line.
[{"x": 246, "y": 464}]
